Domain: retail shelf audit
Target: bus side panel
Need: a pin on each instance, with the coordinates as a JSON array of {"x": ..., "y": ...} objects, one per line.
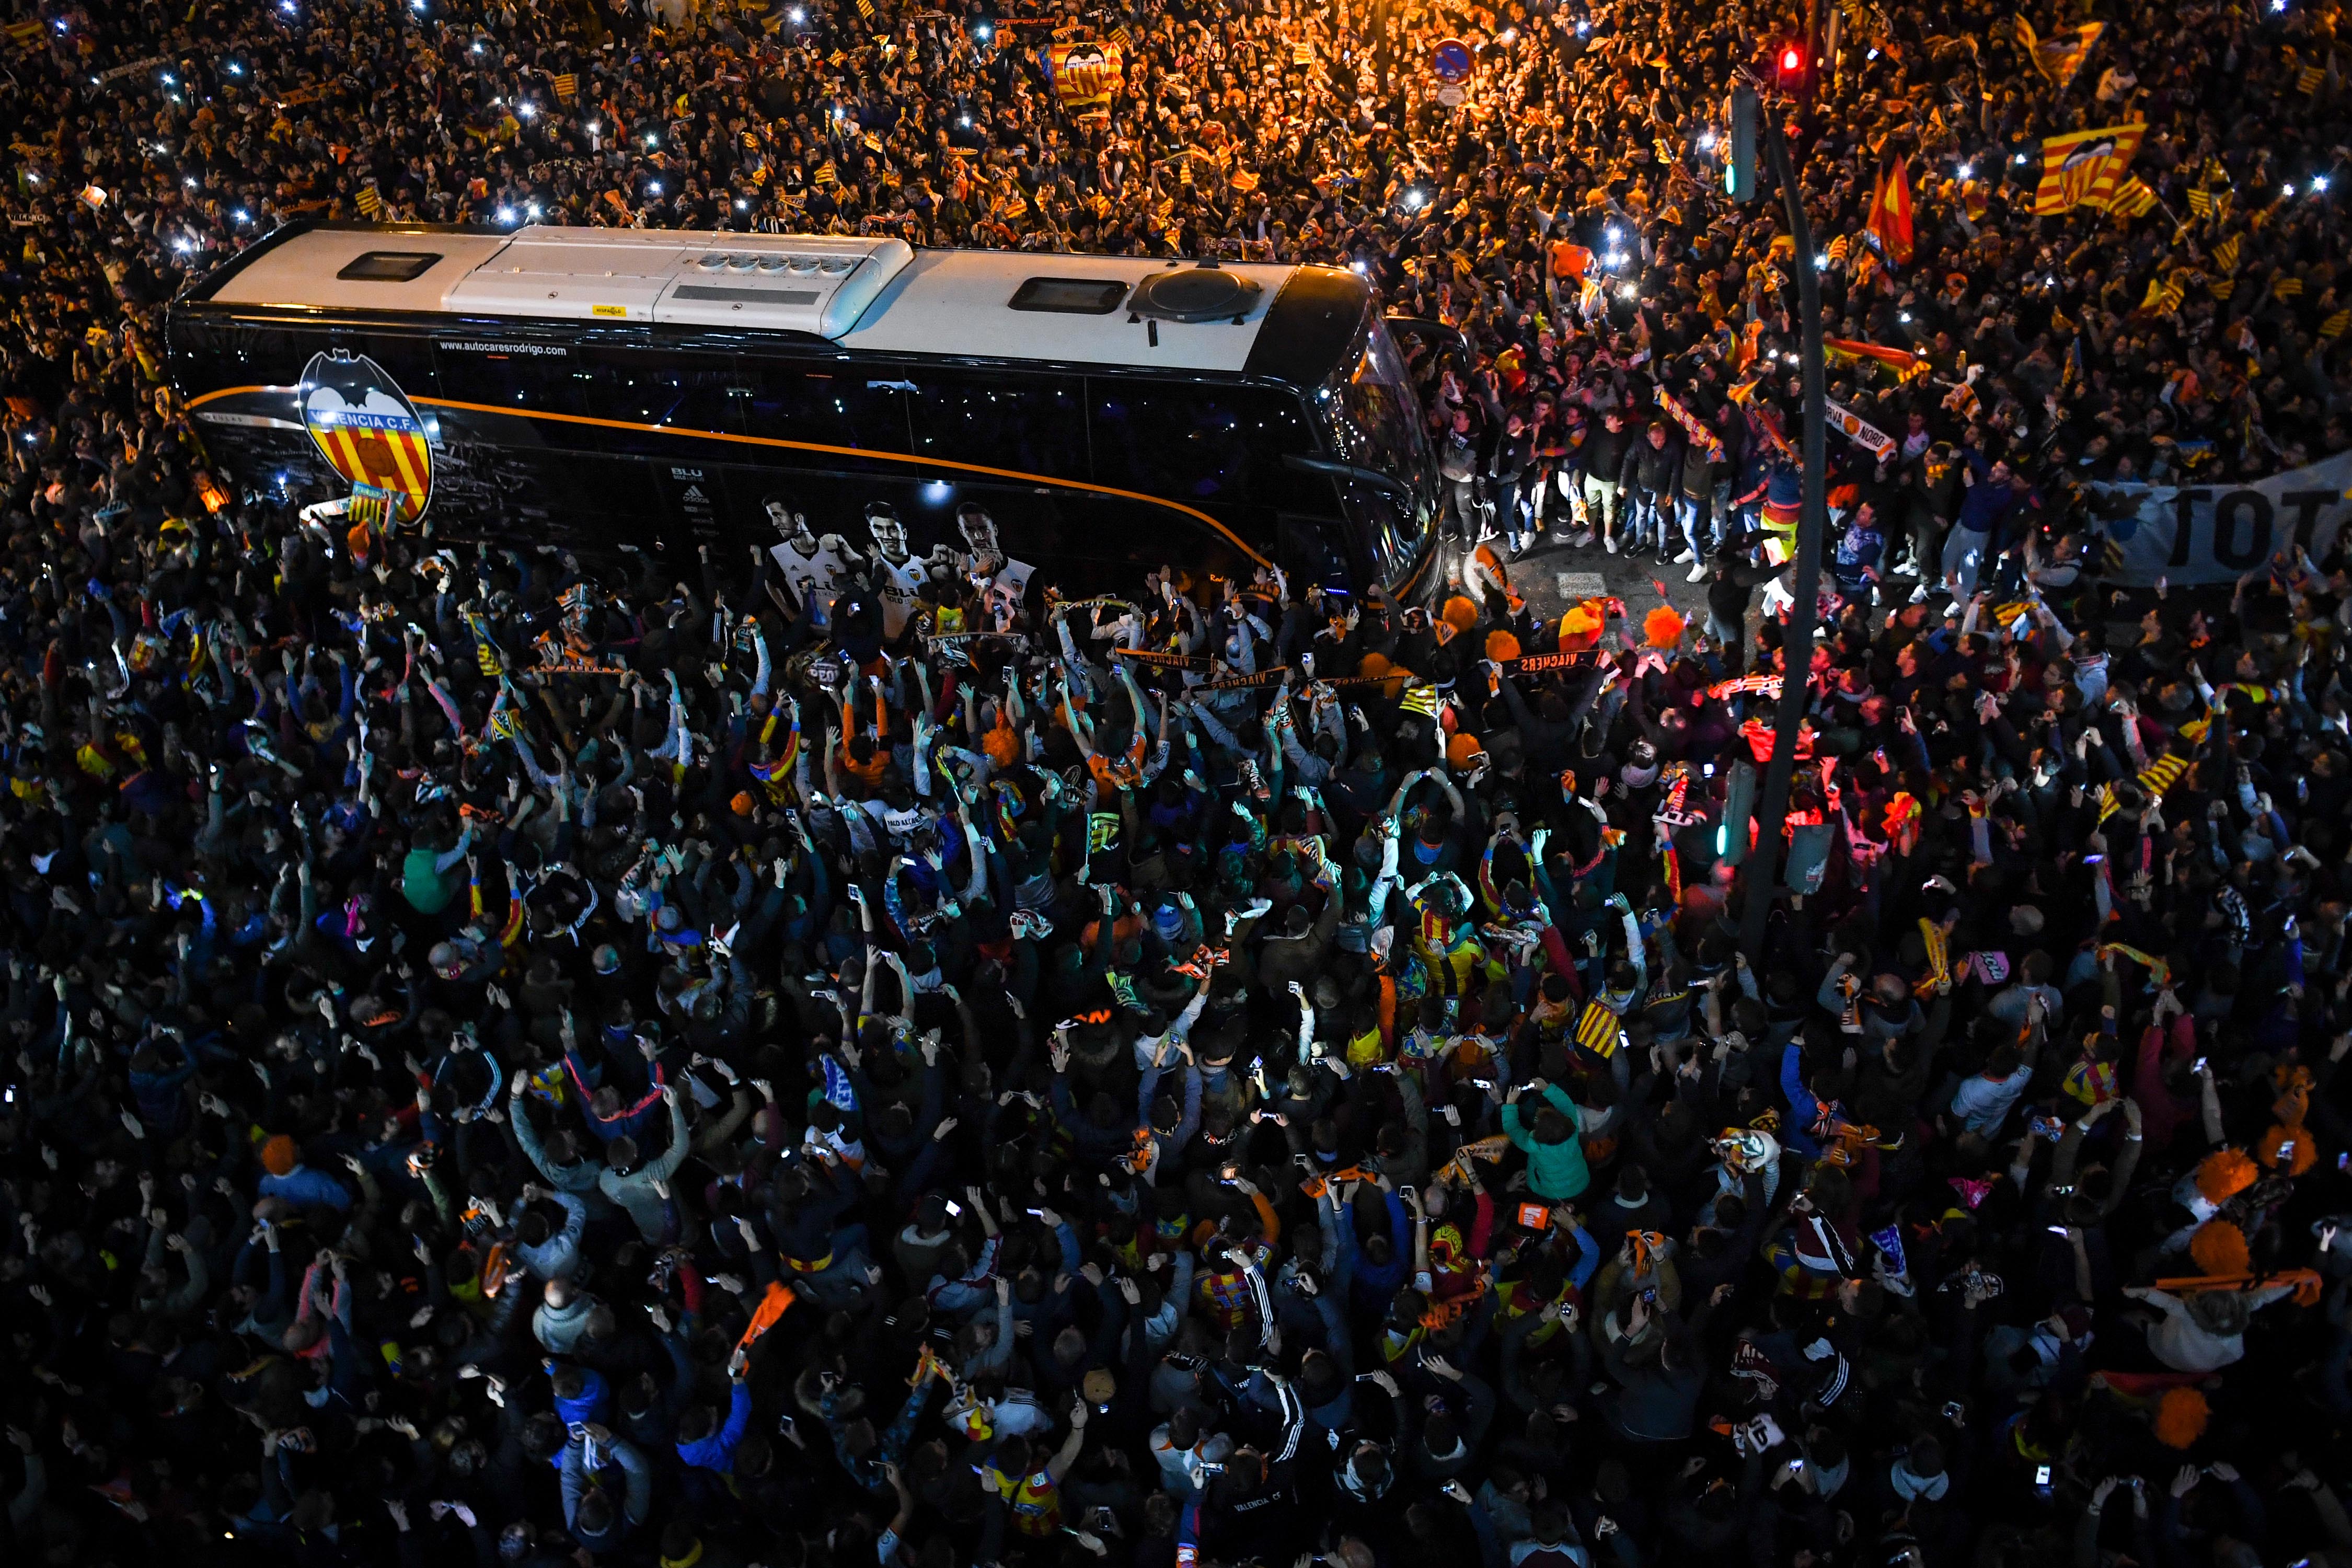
[
  {"x": 241, "y": 381},
  {"x": 1081, "y": 542}
]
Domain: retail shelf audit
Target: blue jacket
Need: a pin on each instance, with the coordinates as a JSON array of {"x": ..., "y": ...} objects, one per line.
[
  {"x": 158, "y": 1094},
  {"x": 306, "y": 1188},
  {"x": 1984, "y": 505},
  {"x": 717, "y": 1452},
  {"x": 590, "y": 1406}
]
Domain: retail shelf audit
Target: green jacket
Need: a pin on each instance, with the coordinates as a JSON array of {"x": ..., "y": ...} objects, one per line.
[{"x": 1555, "y": 1171}]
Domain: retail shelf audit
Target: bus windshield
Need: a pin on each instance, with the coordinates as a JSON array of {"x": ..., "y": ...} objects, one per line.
[{"x": 1375, "y": 418}]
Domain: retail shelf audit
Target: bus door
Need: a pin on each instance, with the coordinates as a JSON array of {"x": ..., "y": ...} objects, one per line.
[
  {"x": 661, "y": 405},
  {"x": 1312, "y": 550}
]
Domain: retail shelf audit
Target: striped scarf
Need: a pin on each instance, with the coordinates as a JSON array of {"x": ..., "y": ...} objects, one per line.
[
  {"x": 1939, "y": 967},
  {"x": 2162, "y": 774},
  {"x": 2157, "y": 969}
]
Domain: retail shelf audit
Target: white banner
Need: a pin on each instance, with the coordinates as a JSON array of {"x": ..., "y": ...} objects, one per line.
[
  {"x": 2217, "y": 533},
  {"x": 1860, "y": 431},
  {"x": 106, "y": 77}
]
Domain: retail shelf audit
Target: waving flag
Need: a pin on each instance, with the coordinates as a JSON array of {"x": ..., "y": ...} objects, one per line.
[
  {"x": 1847, "y": 352},
  {"x": 2133, "y": 198},
  {"x": 1890, "y": 214},
  {"x": 2059, "y": 57},
  {"x": 838, "y": 1089},
  {"x": 2083, "y": 168}
]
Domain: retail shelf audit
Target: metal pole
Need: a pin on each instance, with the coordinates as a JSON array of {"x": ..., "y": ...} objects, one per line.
[{"x": 1797, "y": 641}]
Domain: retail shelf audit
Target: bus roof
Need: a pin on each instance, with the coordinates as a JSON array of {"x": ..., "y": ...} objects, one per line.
[{"x": 879, "y": 295}]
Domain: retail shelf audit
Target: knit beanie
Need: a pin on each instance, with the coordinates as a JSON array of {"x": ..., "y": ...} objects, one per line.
[{"x": 279, "y": 1156}]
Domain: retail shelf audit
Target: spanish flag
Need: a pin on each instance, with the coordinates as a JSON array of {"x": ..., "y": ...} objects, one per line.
[
  {"x": 1889, "y": 228},
  {"x": 2083, "y": 168},
  {"x": 1846, "y": 352}
]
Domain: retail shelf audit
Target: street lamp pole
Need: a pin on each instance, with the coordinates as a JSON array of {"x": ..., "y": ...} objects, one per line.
[{"x": 1764, "y": 867}]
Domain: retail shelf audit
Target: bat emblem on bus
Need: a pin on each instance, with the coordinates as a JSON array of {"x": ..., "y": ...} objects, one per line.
[{"x": 369, "y": 432}]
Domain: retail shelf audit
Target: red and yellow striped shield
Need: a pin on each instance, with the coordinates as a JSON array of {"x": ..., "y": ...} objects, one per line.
[{"x": 366, "y": 428}]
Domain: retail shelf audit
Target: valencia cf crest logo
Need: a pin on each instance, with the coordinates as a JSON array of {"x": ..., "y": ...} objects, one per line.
[{"x": 369, "y": 432}]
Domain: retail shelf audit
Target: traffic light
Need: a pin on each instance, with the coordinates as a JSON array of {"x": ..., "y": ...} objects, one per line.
[
  {"x": 1739, "y": 168},
  {"x": 1790, "y": 72}
]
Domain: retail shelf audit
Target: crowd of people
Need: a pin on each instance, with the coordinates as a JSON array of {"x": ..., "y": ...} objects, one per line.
[{"x": 798, "y": 1088}]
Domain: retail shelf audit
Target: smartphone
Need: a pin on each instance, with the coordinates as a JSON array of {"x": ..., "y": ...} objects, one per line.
[
  {"x": 955, "y": 1208},
  {"x": 2286, "y": 1150},
  {"x": 2343, "y": 1161},
  {"x": 2057, "y": 1230},
  {"x": 2197, "y": 1065},
  {"x": 1795, "y": 1465},
  {"x": 1706, "y": 770},
  {"x": 2042, "y": 1479},
  {"x": 2093, "y": 859},
  {"x": 1035, "y": 1213}
]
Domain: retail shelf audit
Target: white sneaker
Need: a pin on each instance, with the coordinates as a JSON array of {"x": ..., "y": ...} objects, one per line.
[
  {"x": 1920, "y": 594},
  {"x": 1698, "y": 572},
  {"x": 1687, "y": 555},
  {"x": 1610, "y": 544}
]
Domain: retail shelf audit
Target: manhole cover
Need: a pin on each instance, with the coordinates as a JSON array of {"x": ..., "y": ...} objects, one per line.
[{"x": 1580, "y": 586}]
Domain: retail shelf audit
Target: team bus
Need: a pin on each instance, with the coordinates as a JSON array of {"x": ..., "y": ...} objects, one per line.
[{"x": 607, "y": 388}]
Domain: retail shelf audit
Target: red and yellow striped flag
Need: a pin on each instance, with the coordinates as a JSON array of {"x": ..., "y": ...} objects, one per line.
[
  {"x": 1890, "y": 214},
  {"x": 2083, "y": 168}
]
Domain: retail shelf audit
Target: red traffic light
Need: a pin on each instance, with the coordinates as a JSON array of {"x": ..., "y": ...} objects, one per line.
[{"x": 1792, "y": 60}]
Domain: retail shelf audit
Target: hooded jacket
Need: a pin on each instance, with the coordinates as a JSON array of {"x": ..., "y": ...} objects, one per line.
[{"x": 1555, "y": 1171}]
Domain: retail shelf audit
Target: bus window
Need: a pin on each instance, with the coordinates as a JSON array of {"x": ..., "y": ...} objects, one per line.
[
  {"x": 659, "y": 387},
  {"x": 1374, "y": 418},
  {"x": 1007, "y": 419},
  {"x": 826, "y": 402},
  {"x": 1377, "y": 425},
  {"x": 1196, "y": 444},
  {"x": 525, "y": 382}
]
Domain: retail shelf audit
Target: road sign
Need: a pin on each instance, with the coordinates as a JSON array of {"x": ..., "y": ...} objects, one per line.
[{"x": 1451, "y": 60}]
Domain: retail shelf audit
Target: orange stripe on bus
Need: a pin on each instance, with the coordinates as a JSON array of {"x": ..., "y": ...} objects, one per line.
[{"x": 778, "y": 443}]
